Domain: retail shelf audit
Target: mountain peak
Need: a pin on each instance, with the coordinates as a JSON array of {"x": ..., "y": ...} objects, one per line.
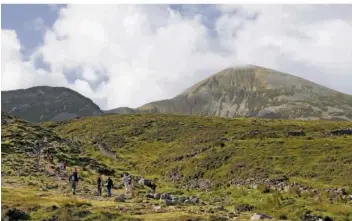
[{"x": 254, "y": 91}]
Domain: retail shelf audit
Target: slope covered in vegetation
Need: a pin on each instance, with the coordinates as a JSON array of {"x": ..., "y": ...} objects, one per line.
[{"x": 280, "y": 167}]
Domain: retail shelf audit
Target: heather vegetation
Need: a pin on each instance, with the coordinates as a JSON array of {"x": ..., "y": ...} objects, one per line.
[{"x": 205, "y": 168}]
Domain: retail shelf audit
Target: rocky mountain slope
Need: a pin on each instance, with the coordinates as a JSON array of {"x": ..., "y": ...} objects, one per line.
[
  {"x": 44, "y": 103},
  {"x": 254, "y": 91}
]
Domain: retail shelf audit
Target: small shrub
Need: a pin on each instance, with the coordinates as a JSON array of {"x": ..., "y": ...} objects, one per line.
[
  {"x": 283, "y": 217},
  {"x": 15, "y": 214},
  {"x": 244, "y": 208},
  {"x": 326, "y": 218},
  {"x": 264, "y": 189}
]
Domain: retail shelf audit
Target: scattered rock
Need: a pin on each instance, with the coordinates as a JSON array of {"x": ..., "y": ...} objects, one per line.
[
  {"x": 259, "y": 216},
  {"x": 83, "y": 213},
  {"x": 120, "y": 198},
  {"x": 310, "y": 217},
  {"x": 150, "y": 195},
  {"x": 220, "y": 208},
  {"x": 157, "y": 196},
  {"x": 232, "y": 215},
  {"x": 287, "y": 189},
  {"x": 170, "y": 202},
  {"x": 194, "y": 200},
  {"x": 156, "y": 208},
  {"x": 165, "y": 196},
  {"x": 53, "y": 218},
  {"x": 347, "y": 131},
  {"x": 188, "y": 202},
  {"x": 296, "y": 133},
  {"x": 244, "y": 208}
]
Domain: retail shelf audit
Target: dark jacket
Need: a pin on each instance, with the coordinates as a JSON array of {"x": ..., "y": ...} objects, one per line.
[
  {"x": 99, "y": 181},
  {"x": 109, "y": 183},
  {"x": 74, "y": 174}
]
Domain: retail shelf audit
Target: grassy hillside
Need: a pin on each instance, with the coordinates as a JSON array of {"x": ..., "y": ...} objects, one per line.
[
  {"x": 30, "y": 193},
  {"x": 229, "y": 162}
]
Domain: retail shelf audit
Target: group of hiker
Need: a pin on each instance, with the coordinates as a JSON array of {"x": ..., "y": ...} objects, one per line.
[
  {"x": 109, "y": 185},
  {"x": 126, "y": 179}
]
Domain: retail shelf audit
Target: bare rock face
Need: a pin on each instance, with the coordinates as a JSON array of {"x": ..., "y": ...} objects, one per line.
[
  {"x": 253, "y": 91},
  {"x": 44, "y": 103}
]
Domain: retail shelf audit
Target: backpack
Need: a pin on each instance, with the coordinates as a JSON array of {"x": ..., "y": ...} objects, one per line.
[{"x": 72, "y": 178}]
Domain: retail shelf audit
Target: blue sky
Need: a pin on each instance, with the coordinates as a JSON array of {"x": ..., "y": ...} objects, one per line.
[
  {"x": 22, "y": 19},
  {"x": 114, "y": 54}
]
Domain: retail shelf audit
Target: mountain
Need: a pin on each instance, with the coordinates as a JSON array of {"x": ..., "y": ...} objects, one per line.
[
  {"x": 252, "y": 91},
  {"x": 45, "y": 103},
  {"x": 122, "y": 110}
]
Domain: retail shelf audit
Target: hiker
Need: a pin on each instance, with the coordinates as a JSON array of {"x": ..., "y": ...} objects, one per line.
[
  {"x": 51, "y": 158},
  {"x": 127, "y": 180},
  {"x": 99, "y": 184},
  {"x": 74, "y": 180},
  {"x": 37, "y": 150},
  {"x": 60, "y": 166},
  {"x": 147, "y": 183},
  {"x": 109, "y": 185},
  {"x": 65, "y": 164}
]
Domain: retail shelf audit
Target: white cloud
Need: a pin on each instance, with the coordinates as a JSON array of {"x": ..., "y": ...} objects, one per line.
[
  {"x": 18, "y": 73},
  {"x": 151, "y": 52},
  {"x": 291, "y": 33}
]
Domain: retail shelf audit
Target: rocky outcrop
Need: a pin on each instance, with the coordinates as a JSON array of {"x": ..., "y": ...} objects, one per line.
[
  {"x": 296, "y": 133},
  {"x": 244, "y": 208},
  {"x": 281, "y": 184},
  {"x": 259, "y": 216},
  {"x": 310, "y": 217},
  {"x": 347, "y": 131},
  {"x": 172, "y": 199},
  {"x": 200, "y": 184},
  {"x": 104, "y": 150},
  {"x": 120, "y": 198}
]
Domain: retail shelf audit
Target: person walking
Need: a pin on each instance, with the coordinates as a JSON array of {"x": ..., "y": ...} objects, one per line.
[
  {"x": 109, "y": 185},
  {"x": 65, "y": 165},
  {"x": 99, "y": 184},
  {"x": 127, "y": 182},
  {"x": 74, "y": 180},
  {"x": 59, "y": 167}
]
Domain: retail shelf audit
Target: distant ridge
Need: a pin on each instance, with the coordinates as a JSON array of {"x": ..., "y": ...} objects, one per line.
[{"x": 44, "y": 103}]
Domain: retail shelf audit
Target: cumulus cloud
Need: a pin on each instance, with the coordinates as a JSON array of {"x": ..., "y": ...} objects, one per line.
[
  {"x": 19, "y": 72},
  {"x": 128, "y": 55}
]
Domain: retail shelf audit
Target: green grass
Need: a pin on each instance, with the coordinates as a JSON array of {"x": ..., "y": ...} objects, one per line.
[{"x": 203, "y": 148}]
